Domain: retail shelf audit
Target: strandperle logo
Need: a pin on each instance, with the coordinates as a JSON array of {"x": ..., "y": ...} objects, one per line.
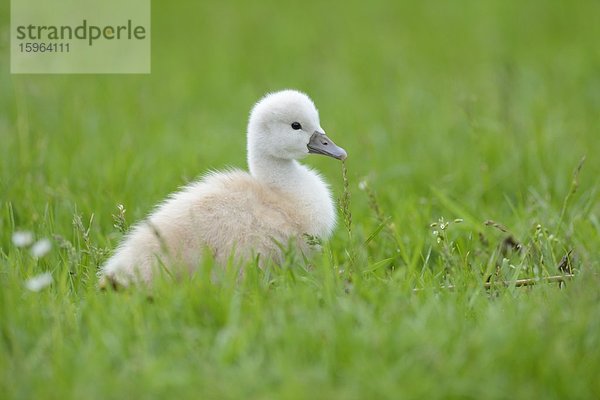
[
  {"x": 85, "y": 31},
  {"x": 80, "y": 36}
]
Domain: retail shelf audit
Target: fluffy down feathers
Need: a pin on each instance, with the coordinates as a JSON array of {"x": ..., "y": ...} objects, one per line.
[{"x": 235, "y": 213}]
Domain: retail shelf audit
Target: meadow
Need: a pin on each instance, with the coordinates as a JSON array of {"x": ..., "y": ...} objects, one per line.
[{"x": 472, "y": 130}]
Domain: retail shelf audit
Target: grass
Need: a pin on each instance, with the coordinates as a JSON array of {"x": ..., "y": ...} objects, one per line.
[{"x": 465, "y": 125}]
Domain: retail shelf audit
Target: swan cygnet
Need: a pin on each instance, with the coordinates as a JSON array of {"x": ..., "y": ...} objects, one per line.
[{"x": 235, "y": 214}]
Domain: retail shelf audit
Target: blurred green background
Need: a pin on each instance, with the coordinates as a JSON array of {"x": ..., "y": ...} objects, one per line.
[
  {"x": 492, "y": 103},
  {"x": 482, "y": 99},
  {"x": 465, "y": 109}
]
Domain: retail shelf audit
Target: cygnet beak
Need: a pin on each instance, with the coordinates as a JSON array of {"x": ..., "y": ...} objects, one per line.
[{"x": 320, "y": 144}]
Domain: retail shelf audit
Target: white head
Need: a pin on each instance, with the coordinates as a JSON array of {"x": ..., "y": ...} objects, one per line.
[{"x": 285, "y": 125}]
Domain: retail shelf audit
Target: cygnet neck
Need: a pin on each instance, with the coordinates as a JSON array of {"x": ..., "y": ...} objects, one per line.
[{"x": 276, "y": 172}]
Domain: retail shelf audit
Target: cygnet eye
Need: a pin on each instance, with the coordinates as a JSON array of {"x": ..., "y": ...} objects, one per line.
[{"x": 296, "y": 126}]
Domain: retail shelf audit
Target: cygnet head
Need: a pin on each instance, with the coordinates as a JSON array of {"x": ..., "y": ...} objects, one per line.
[{"x": 285, "y": 125}]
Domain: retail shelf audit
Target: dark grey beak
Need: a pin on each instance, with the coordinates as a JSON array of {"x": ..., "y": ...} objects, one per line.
[{"x": 320, "y": 144}]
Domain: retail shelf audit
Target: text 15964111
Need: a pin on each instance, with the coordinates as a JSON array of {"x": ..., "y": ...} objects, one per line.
[{"x": 33, "y": 47}]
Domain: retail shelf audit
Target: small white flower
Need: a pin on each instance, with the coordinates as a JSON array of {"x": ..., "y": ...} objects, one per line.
[
  {"x": 362, "y": 185},
  {"x": 39, "y": 282},
  {"x": 41, "y": 248},
  {"x": 22, "y": 238}
]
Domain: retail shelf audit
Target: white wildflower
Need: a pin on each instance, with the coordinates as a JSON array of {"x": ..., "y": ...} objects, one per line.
[
  {"x": 39, "y": 282},
  {"x": 41, "y": 248},
  {"x": 362, "y": 185},
  {"x": 22, "y": 238}
]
